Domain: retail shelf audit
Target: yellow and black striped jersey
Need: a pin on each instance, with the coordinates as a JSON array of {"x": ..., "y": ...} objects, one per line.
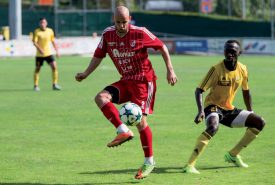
[
  {"x": 44, "y": 38},
  {"x": 223, "y": 84}
]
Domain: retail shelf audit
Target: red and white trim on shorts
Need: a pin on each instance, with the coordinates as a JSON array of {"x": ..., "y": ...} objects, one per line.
[{"x": 149, "y": 98}]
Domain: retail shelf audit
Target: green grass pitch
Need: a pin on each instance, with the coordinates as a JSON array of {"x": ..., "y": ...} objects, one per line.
[{"x": 50, "y": 138}]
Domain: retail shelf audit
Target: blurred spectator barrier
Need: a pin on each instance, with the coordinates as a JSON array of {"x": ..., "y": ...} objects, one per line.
[
  {"x": 5, "y": 30},
  {"x": 87, "y": 46}
]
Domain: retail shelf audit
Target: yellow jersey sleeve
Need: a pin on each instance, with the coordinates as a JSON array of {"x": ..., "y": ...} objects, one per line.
[
  {"x": 35, "y": 36},
  {"x": 208, "y": 80},
  {"x": 52, "y": 35},
  {"x": 245, "y": 79}
]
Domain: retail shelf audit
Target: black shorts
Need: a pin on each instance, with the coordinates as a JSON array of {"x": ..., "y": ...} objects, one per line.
[
  {"x": 230, "y": 118},
  {"x": 40, "y": 60}
]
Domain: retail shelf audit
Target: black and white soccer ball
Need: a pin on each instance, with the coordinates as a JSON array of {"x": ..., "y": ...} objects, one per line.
[{"x": 130, "y": 114}]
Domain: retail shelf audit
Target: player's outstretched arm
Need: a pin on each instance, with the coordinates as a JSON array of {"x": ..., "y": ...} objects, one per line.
[
  {"x": 198, "y": 96},
  {"x": 247, "y": 100},
  {"x": 171, "y": 76},
  {"x": 92, "y": 66}
]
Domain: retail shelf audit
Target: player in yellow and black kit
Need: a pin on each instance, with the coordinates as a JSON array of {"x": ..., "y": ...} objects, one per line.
[
  {"x": 223, "y": 81},
  {"x": 42, "y": 38}
]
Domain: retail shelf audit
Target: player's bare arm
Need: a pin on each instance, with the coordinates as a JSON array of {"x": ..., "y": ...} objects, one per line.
[
  {"x": 39, "y": 48},
  {"x": 200, "y": 116},
  {"x": 171, "y": 76},
  {"x": 56, "y": 49},
  {"x": 247, "y": 100},
  {"x": 92, "y": 66}
]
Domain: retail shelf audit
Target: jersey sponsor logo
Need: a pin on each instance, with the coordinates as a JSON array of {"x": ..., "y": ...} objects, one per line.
[
  {"x": 122, "y": 44},
  {"x": 124, "y": 61},
  {"x": 224, "y": 83},
  {"x": 111, "y": 43},
  {"x": 126, "y": 69},
  {"x": 124, "y": 54}
]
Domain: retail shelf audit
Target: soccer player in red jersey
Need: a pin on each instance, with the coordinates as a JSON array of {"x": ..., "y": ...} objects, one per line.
[{"x": 127, "y": 46}]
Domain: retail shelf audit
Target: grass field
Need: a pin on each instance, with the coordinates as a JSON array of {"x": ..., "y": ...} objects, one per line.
[{"x": 50, "y": 138}]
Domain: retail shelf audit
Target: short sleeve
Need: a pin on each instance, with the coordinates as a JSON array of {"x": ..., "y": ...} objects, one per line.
[
  {"x": 208, "y": 80},
  {"x": 52, "y": 35},
  {"x": 151, "y": 41},
  {"x": 35, "y": 36},
  {"x": 245, "y": 79},
  {"x": 101, "y": 49}
]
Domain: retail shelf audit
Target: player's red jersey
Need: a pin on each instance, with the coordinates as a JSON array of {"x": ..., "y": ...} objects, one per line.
[{"x": 129, "y": 53}]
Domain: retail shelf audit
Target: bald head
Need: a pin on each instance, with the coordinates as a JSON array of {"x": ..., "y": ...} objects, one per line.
[
  {"x": 121, "y": 11},
  {"x": 122, "y": 19}
]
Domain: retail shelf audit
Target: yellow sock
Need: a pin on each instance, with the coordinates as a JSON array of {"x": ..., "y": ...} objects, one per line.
[
  {"x": 201, "y": 144},
  {"x": 55, "y": 76},
  {"x": 249, "y": 136},
  {"x": 36, "y": 78}
]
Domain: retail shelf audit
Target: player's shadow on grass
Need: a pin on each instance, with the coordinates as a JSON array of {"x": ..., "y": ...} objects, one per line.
[
  {"x": 133, "y": 171},
  {"x": 158, "y": 170},
  {"x": 215, "y": 167}
]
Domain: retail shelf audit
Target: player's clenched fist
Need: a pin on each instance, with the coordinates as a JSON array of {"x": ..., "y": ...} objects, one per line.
[{"x": 80, "y": 76}]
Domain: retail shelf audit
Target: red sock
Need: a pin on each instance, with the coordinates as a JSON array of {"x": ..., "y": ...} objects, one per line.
[
  {"x": 111, "y": 113},
  {"x": 146, "y": 141}
]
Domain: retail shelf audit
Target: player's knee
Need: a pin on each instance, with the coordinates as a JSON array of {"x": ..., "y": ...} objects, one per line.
[
  {"x": 37, "y": 69},
  {"x": 101, "y": 98},
  {"x": 212, "y": 125},
  {"x": 113, "y": 92},
  {"x": 97, "y": 98},
  {"x": 142, "y": 125},
  {"x": 212, "y": 129},
  {"x": 260, "y": 124},
  {"x": 256, "y": 122}
]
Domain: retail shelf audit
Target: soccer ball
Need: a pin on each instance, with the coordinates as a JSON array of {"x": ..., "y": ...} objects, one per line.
[{"x": 130, "y": 114}]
